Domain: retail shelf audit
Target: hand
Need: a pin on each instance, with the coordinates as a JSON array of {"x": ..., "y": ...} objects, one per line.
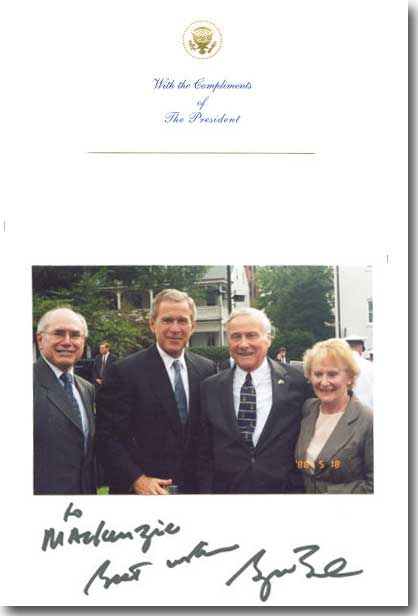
[
  {"x": 99, "y": 381},
  {"x": 150, "y": 485}
]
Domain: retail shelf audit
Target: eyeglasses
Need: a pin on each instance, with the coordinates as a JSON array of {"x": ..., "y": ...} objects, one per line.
[{"x": 61, "y": 334}]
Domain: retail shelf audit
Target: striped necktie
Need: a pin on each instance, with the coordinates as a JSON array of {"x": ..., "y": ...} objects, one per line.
[
  {"x": 247, "y": 412},
  {"x": 179, "y": 392},
  {"x": 67, "y": 379}
]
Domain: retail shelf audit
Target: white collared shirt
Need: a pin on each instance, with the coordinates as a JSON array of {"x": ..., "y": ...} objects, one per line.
[
  {"x": 104, "y": 357},
  {"x": 363, "y": 386},
  {"x": 261, "y": 378},
  {"x": 76, "y": 393},
  {"x": 168, "y": 363}
]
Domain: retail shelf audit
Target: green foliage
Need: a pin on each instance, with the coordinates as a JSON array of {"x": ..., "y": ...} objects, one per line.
[
  {"x": 103, "y": 491},
  {"x": 81, "y": 288},
  {"x": 125, "y": 335},
  {"x": 214, "y": 353},
  {"x": 296, "y": 342},
  {"x": 46, "y": 279},
  {"x": 158, "y": 277},
  {"x": 298, "y": 300}
]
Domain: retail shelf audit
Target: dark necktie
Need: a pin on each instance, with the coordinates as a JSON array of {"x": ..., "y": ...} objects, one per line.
[
  {"x": 67, "y": 379},
  {"x": 247, "y": 413},
  {"x": 102, "y": 367},
  {"x": 179, "y": 392}
]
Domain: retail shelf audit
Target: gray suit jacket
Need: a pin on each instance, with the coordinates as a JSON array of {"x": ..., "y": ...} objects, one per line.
[
  {"x": 61, "y": 466},
  {"x": 345, "y": 463}
]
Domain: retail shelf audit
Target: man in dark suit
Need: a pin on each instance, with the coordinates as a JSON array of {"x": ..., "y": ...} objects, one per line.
[
  {"x": 251, "y": 416},
  {"x": 225, "y": 364},
  {"x": 281, "y": 355},
  {"x": 101, "y": 362},
  {"x": 63, "y": 408},
  {"x": 148, "y": 407}
]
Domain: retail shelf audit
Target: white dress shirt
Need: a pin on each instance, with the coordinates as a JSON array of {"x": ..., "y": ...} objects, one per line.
[
  {"x": 168, "y": 363},
  {"x": 363, "y": 387},
  {"x": 261, "y": 378}
]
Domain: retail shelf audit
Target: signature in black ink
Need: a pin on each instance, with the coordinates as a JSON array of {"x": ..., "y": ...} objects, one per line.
[
  {"x": 334, "y": 569},
  {"x": 132, "y": 576},
  {"x": 199, "y": 551}
]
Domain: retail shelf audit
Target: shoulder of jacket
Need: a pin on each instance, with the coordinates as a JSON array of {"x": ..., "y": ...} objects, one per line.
[
  {"x": 363, "y": 410},
  {"x": 83, "y": 382},
  {"x": 214, "y": 379},
  {"x": 204, "y": 361},
  {"x": 311, "y": 404},
  {"x": 129, "y": 360}
]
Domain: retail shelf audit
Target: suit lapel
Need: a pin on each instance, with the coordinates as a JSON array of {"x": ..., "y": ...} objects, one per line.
[
  {"x": 162, "y": 388},
  {"x": 226, "y": 402},
  {"x": 280, "y": 389},
  {"x": 194, "y": 381},
  {"x": 309, "y": 422},
  {"x": 56, "y": 394},
  {"x": 86, "y": 402},
  {"x": 341, "y": 434}
]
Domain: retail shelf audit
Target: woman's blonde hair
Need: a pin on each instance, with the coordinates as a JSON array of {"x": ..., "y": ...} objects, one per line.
[{"x": 332, "y": 349}]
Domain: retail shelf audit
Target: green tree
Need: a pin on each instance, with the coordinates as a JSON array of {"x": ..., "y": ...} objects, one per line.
[
  {"x": 159, "y": 277},
  {"x": 81, "y": 288},
  {"x": 299, "y": 301}
]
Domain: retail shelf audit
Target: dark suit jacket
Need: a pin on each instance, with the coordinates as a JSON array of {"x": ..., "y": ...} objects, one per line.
[
  {"x": 138, "y": 425},
  {"x": 60, "y": 464},
  {"x": 347, "y": 456},
  {"x": 225, "y": 464},
  {"x": 225, "y": 364},
  {"x": 97, "y": 364}
]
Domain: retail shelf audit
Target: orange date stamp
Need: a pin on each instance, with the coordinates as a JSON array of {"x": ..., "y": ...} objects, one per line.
[{"x": 304, "y": 465}]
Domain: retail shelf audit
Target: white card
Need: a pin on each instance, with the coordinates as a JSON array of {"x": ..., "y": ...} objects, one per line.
[{"x": 298, "y": 156}]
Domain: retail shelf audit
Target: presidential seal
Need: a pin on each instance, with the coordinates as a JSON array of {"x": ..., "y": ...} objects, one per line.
[{"x": 202, "y": 40}]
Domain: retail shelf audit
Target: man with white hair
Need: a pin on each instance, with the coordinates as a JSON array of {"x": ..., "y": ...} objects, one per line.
[
  {"x": 63, "y": 408},
  {"x": 251, "y": 416}
]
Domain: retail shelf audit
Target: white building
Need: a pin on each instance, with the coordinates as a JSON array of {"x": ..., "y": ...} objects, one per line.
[
  {"x": 212, "y": 309},
  {"x": 212, "y": 312},
  {"x": 354, "y": 303}
]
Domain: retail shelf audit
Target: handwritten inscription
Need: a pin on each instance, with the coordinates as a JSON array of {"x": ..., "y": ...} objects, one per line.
[
  {"x": 104, "y": 577},
  {"x": 198, "y": 551},
  {"x": 53, "y": 538},
  {"x": 99, "y": 574}
]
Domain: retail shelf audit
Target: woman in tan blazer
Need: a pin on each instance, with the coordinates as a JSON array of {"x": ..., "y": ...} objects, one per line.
[{"x": 335, "y": 446}]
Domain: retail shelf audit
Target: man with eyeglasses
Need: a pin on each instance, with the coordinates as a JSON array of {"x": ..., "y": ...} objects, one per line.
[{"x": 63, "y": 408}]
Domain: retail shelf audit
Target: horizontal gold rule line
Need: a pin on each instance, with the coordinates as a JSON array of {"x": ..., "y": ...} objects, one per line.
[{"x": 229, "y": 153}]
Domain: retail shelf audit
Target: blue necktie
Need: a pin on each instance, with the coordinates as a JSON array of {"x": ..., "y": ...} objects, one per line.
[
  {"x": 67, "y": 379},
  {"x": 247, "y": 412},
  {"x": 179, "y": 392}
]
